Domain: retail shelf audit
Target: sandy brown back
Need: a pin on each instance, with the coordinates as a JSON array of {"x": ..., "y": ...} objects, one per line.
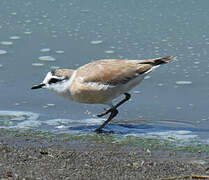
[{"x": 116, "y": 71}]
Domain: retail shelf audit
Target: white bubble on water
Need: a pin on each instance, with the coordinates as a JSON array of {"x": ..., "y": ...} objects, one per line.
[
  {"x": 189, "y": 47},
  {"x": 87, "y": 112},
  {"x": 14, "y": 13},
  {"x": 137, "y": 92},
  {"x": 6, "y": 43},
  {"x": 28, "y": 21},
  {"x": 109, "y": 51},
  {"x": 3, "y": 52},
  {"x": 45, "y": 50},
  {"x": 16, "y": 104},
  {"x": 164, "y": 40},
  {"x": 59, "y": 51},
  {"x": 28, "y": 32},
  {"x": 160, "y": 84},
  {"x": 37, "y": 64},
  {"x": 46, "y": 58},
  {"x": 196, "y": 62},
  {"x": 183, "y": 82},
  {"x": 50, "y": 104},
  {"x": 45, "y": 16},
  {"x": 14, "y": 37},
  {"x": 96, "y": 42}
]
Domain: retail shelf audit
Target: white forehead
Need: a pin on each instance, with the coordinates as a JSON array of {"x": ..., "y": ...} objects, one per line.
[
  {"x": 47, "y": 78},
  {"x": 50, "y": 76}
]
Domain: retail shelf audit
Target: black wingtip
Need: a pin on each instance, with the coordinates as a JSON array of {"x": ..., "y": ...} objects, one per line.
[{"x": 164, "y": 60}]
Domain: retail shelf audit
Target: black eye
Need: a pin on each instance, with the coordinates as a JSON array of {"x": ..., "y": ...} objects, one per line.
[{"x": 54, "y": 80}]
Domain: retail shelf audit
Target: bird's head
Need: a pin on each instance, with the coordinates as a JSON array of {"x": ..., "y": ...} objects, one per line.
[{"x": 56, "y": 80}]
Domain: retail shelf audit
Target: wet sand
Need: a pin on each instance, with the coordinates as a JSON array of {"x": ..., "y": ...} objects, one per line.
[{"x": 26, "y": 158}]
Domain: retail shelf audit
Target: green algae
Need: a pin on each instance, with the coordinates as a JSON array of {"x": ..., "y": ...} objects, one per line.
[{"x": 146, "y": 145}]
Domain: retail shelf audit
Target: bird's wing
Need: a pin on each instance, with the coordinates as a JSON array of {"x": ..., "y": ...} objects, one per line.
[{"x": 112, "y": 72}]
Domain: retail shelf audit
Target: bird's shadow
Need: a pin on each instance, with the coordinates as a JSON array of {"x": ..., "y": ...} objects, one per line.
[{"x": 134, "y": 128}]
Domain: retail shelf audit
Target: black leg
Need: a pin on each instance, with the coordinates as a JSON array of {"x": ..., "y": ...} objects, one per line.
[
  {"x": 113, "y": 112},
  {"x": 127, "y": 97}
]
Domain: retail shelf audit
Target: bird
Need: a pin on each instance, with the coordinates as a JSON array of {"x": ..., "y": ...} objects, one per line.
[{"x": 101, "y": 81}]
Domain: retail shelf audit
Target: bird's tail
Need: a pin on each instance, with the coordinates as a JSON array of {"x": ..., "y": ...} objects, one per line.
[
  {"x": 163, "y": 60},
  {"x": 158, "y": 61}
]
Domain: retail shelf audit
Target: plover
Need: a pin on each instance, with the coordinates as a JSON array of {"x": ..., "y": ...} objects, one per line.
[{"x": 101, "y": 81}]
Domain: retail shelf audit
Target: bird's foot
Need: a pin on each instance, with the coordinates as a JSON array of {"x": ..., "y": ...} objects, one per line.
[{"x": 100, "y": 131}]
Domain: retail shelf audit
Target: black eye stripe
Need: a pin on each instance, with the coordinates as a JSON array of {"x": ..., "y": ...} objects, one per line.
[{"x": 54, "y": 80}]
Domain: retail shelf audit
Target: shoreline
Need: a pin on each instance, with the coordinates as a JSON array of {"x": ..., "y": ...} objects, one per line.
[
  {"x": 53, "y": 162},
  {"x": 32, "y": 157}
]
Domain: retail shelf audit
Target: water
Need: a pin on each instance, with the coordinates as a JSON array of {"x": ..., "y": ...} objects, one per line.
[{"x": 36, "y": 36}]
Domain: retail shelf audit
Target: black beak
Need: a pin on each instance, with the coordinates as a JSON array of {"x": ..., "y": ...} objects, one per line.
[{"x": 38, "y": 86}]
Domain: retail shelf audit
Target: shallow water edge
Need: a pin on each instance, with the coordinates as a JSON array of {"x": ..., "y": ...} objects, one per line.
[{"x": 158, "y": 148}]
